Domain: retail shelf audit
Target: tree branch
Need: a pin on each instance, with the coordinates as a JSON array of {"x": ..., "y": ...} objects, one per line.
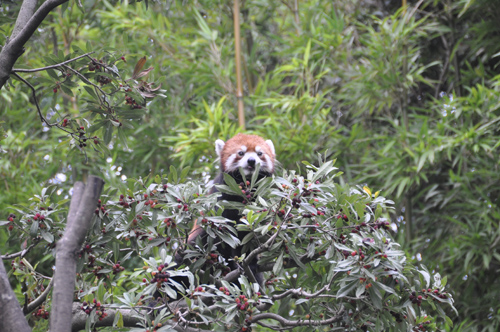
[
  {"x": 11, "y": 314},
  {"x": 81, "y": 211},
  {"x": 25, "y": 13},
  {"x": 21, "y": 253},
  {"x": 26, "y": 25},
  {"x": 294, "y": 323},
  {"x": 34, "y": 22},
  {"x": 39, "y": 300},
  {"x": 130, "y": 319},
  {"x": 18, "y": 70}
]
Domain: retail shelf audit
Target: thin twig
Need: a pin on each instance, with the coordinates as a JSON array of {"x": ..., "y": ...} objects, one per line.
[
  {"x": 36, "y": 100},
  {"x": 16, "y": 70},
  {"x": 86, "y": 80},
  {"x": 39, "y": 300},
  {"x": 21, "y": 253}
]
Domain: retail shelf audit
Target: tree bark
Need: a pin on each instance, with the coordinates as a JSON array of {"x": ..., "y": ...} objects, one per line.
[
  {"x": 81, "y": 211},
  {"x": 27, "y": 23},
  {"x": 11, "y": 314}
]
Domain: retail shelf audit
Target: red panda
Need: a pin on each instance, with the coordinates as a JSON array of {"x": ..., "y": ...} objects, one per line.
[{"x": 246, "y": 152}]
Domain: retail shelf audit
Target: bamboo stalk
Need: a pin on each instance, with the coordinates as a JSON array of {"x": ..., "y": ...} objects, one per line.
[
  {"x": 404, "y": 109},
  {"x": 237, "y": 55},
  {"x": 405, "y": 71}
]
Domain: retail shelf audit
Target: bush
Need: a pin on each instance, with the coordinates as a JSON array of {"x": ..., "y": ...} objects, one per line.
[{"x": 325, "y": 250}]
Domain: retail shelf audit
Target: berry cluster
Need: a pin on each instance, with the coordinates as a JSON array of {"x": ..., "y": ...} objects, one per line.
[
  {"x": 13, "y": 265},
  {"x": 422, "y": 326},
  {"x": 11, "y": 218},
  {"x": 372, "y": 226},
  {"x": 150, "y": 202},
  {"x": 212, "y": 258},
  {"x": 98, "y": 66},
  {"x": 136, "y": 220},
  {"x": 131, "y": 101},
  {"x": 41, "y": 313},
  {"x": 156, "y": 326},
  {"x": 81, "y": 137},
  {"x": 117, "y": 268},
  {"x": 397, "y": 316},
  {"x": 169, "y": 223},
  {"x": 158, "y": 277},
  {"x": 242, "y": 302},
  {"x": 205, "y": 221},
  {"x": 99, "y": 310},
  {"x": 182, "y": 206},
  {"x": 424, "y": 294},
  {"x": 94, "y": 65},
  {"x": 91, "y": 261},
  {"x": 245, "y": 190},
  {"x": 271, "y": 280},
  {"x": 224, "y": 290},
  {"x": 416, "y": 299},
  {"x": 342, "y": 216},
  {"x": 296, "y": 202},
  {"x": 101, "y": 209},
  {"x": 126, "y": 202},
  {"x": 103, "y": 80}
]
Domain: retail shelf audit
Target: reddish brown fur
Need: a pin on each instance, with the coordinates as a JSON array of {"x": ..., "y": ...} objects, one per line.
[{"x": 250, "y": 141}]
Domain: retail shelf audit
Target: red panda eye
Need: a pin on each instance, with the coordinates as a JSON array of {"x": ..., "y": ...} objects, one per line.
[
  {"x": 241, "y": 153},
  {"x": 259, "y": 153}
]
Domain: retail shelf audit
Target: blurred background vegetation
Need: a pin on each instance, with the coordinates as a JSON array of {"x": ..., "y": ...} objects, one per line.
[{"x": 406, "y": 98}]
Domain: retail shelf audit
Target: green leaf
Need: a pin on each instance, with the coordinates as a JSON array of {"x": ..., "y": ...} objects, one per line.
[
  {"x": 52, "y": 73},
  {"x": 118, "y": 321},
  {"x": 347, "y": 288},
  {"x": 448, "y": 321},
  {"x": 426, "y": 276},
  {"x": 108, "y": 132},
  {"x": 278, "y": 265},
  {"x": 307, "y": 52},
  {"x": 293, "y": 254},
  {"x": 172, "y": 176},
  {"x": 231, "y": 183}
]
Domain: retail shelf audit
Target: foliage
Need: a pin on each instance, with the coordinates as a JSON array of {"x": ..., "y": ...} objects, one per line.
[
  {"x": 406, "y": 100},
  {"x": 329, "y": 257}
]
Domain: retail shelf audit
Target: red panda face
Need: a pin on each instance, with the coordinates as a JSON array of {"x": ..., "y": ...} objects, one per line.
[{"x": 246, "y": 151}]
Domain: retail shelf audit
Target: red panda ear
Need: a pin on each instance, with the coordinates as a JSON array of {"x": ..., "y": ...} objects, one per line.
[
  {"x": 219, "y": 145},
  {"x": 271, "y": 146}
]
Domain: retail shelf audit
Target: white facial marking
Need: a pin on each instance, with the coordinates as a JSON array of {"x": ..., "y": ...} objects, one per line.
[
  {"x": 243, "y": 148},
  {"x": 269, "y": 163},
  {"x": 258, "y": 149},
  {"x": 271, "y": 146},
  {"x": 219, "y": 145},
  {"x": 230, "y": 164}
]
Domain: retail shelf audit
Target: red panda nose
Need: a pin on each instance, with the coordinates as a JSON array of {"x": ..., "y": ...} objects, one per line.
[{"x": 251, "y": 162}]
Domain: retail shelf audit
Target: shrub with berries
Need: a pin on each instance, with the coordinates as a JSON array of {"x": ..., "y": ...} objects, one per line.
[{"x": 325, "y": 251}]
